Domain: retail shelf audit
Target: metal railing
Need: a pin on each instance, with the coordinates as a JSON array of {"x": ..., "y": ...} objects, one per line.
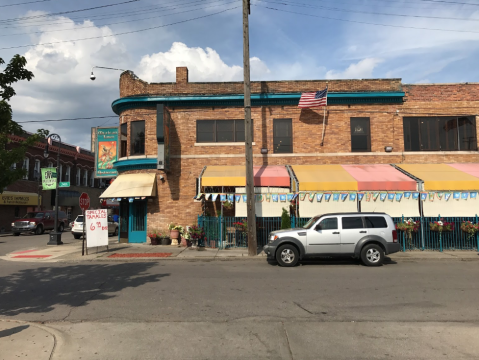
[{"x": 221, "y": 232}]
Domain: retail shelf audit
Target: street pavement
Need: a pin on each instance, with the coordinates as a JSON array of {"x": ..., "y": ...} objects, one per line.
[{"x": 240, "y": 309}]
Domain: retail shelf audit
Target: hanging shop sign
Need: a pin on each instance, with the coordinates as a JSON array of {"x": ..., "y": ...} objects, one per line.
[
  {"x": 11, "y": 198},
  {"x": 49, "y": 178},
  {"x": 106, "y": 152}
]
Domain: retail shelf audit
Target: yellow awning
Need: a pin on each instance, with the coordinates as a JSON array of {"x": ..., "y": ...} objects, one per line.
[
  {"x": 131, "y": 185},
  {"x": 324, "y": 178},
  {"x": 19, "y": 198},
  {"x": 441, "y": 177},
  {"x": 224, "y": 176}
]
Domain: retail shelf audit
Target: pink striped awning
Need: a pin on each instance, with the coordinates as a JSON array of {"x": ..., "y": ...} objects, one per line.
[{"x": 380, "y": 177}]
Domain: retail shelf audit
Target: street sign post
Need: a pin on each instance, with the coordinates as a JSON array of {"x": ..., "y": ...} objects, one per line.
[
  {"x": 84, "y": 205},
  {"x": 64, "y": 184}
]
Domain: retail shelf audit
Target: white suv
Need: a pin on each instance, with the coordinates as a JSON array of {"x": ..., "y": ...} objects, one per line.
[
  {"x": 367, "y": 236},
  {"x": 77, "y": 227}
]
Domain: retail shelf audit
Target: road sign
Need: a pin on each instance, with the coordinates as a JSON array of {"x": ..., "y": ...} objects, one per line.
[
  {"x": 84, "y": 201},
  {"x": 64, "y": 184}
]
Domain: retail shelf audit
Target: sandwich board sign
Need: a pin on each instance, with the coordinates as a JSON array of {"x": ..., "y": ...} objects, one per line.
[{"x": 96, "y": 227}]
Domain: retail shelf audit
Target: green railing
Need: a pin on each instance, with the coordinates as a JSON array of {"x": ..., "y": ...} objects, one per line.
[{"x": 222, "y": 233}]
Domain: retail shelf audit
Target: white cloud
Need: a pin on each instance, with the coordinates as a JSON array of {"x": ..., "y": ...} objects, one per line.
[
  {"x": 361, "y": 70},
  {"x": 203, "y": 65}
]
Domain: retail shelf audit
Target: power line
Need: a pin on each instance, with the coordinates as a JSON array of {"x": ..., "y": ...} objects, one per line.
[
  {"x": 123, "y": 33},
  {"x": 65, "y": 12},
  {"x": 367, "y": 23},
  {"x": 23, "y": 3},
  {"x": 364, "y": 12},
  {"x": 120, "y": 22}
]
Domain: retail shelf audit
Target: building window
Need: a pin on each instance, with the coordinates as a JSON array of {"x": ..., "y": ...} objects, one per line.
[
  {"x": 92, "y": 179},
  {"x": 37, "y": 170},
  {"x": 85, "y": 178},
  {"x": 78, "y": 176},
  {"x": 137, "y": 138},
  {"x": 123, "y": 142},
  {"x": 13, "y": 166},
  {"x": 50, "y": 164},
  {"x": 211, "y": 131},
  {"x": 360, "y": 135},
  {"x": 67, "y": 174},
  {"x": 26, "y": 163},
  {"x": 60, "y": 173},
  {"x": 282, "y": 136},
  {"x": 445, "y": 133}
]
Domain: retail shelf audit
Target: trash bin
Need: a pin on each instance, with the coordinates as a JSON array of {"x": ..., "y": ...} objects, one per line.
[{"x": 55, "y": 238}]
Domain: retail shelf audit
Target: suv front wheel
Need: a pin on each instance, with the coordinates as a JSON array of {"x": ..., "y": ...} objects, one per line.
[
  {"x": 287, "y": 255},
  {"x": 372, "y": 255}
]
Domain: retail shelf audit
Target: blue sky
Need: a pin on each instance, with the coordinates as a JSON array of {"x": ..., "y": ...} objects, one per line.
[{"x": 329, "y": 40}]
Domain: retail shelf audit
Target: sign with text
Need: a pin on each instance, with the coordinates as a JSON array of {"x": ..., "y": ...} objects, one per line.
[
  {"x": 11, "y": 198},
  {"x": 96, "y": 227},
  {"x": 84, "y": 201},
  {"x": 64, "y": 184},
  {"x": 49, "y": 178},
  {"x": 106, "y": 152}
]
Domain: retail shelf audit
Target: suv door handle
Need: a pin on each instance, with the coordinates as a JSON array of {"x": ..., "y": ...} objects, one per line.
[
  {"x": 336, "y": 232},
  {"x": 363, "y": 232}
]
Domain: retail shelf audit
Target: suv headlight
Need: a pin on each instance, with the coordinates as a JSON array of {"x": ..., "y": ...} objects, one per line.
[
  {"x": 32, "y": 223},
  {"x": 13, "y": 224},
  {"x": 272, "y": 238}
]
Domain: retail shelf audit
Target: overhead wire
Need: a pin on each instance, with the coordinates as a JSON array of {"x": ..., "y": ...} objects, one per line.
[
  {"x": 120, "y": 22},
  {"x": 24, "y": 3},
  {"x": 366, "y": 22}
]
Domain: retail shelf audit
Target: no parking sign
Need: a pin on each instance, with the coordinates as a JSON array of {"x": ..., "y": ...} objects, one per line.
[{"x": 96, "y": 228}]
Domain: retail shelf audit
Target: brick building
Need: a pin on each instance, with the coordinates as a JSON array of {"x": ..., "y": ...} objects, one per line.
[
  {"x": 26, "y": 194},
  {"x": 372, "y": 121}
]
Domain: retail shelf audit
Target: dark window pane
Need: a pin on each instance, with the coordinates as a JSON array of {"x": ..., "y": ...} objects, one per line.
[
  {"x": 428, "y": 128},
  {"x": 225, "y": 130},
  {"x": 360, "y": 140},
  {"x": 329, "y": 224},
  {"x": 411, "y": 134},
  {"x": 205, "y": 131},
  {"x": 137, "y": 138},
  {"x": 467, "y": 133},
  {"x": 282, "y": 136},
  {"x": 447, "y": 128},
  {"x": 376, "y": 222},
  {"x": 352, "y": 223},
  {"x": 123, "y": 140},
  {"x": 239, "y": 131}
]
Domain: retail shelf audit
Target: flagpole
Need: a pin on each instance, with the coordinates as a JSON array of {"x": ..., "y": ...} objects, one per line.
[{"x": 324, "y": 124}]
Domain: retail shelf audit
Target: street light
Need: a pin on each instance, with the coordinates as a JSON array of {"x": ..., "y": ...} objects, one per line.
[
  {"x": 55, "y": 236},
  {"x": 93, "y": 77}
]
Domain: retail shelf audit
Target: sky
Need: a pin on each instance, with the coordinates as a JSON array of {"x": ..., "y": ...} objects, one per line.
[{"x": 419, "y": 41}]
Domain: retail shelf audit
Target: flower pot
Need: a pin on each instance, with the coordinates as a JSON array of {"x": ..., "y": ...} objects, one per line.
[
  {"x": 165, "y": 241},
  {"x": 174, "y": 234},
  {"x": 154, "y": 240},
  {"x": 183, "y": 242}
]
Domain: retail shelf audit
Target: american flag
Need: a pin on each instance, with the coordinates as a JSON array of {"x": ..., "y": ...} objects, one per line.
[{"x": 314, "y": 99}]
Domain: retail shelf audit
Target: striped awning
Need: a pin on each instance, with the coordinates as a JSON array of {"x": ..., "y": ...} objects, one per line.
[
  {"x": 324, "y": 178},
  {"x": 268, "y": 175}
]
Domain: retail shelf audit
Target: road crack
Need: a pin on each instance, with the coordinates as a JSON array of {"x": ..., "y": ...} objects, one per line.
[{"x": 287, "y": 341}]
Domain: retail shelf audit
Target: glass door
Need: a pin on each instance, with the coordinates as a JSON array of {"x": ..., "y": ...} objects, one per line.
[
  {"x": 124, "y": 220},
  {"x": 138, "y": 221}
]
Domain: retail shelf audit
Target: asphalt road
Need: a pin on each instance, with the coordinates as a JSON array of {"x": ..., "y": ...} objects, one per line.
[{"x": 249, "y": 309}]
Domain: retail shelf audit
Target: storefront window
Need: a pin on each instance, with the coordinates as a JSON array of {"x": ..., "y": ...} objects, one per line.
[
  {"x": 211, "y": 131},
  {"x": 137, "y": 138},
  {"x": 26, "y": 163},
  {"x": 123, "y": 140},
  {"x": 37, "y": 171},
  {"x": 446, "y": 133},
  {"x": 360, "y": 136},
  {"x": 67, "y": 174},
  {"x": 282, "y": 136}
]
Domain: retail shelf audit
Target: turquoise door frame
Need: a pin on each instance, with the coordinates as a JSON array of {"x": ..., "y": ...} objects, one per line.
[{"x": 137, "y": 222}]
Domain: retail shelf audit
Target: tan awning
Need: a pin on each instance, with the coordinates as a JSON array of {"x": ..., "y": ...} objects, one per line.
[{"x": 131, "y": 185}]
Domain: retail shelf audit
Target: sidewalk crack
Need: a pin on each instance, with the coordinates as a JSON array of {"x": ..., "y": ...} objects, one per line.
[{"x": 287, "y": 341}]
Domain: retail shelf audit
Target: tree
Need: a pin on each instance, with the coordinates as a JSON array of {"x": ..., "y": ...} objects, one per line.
[
  {"x": 285, "y": 220},
  {"x": 13, "y": 72}
]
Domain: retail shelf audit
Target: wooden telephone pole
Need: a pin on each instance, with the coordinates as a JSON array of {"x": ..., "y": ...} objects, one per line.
[{"x": 252, "y": 244}]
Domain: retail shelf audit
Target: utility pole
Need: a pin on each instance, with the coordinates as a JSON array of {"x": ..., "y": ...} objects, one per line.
[{"x": 250, "y": 204}]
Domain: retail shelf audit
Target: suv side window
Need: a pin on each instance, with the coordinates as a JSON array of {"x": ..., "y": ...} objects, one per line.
[
  {"x": 353, "y": 222},
  {"x": 375, "y": 222},
  {"x": 328, "y": 224}
]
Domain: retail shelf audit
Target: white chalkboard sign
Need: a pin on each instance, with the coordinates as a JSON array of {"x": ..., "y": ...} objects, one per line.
[{"x": 96, "y": 227}]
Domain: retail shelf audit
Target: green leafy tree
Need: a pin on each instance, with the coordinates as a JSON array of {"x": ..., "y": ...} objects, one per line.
[
  {"x": 13, "y": 72},
  {"x": 285, "y": 220}
]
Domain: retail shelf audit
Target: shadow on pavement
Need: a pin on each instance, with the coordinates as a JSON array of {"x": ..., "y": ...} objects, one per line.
[
  {"x": 40, "y": 290},
  {"x": 14, "y": 330},
  {"x": 334, "y": 261}
]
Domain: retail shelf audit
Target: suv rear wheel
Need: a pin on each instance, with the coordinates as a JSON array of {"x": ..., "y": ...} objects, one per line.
[
  {"x": 39, "y": 230},
  {"x": 372, "y": 255},
  {"x": 61, "y": 227},
  {"x": 287, "y": 255}
]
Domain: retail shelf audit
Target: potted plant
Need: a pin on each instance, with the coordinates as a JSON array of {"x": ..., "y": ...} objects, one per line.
[
  {"x": 242, "y": 226},
  {"x": 228, "y": 205},
  {"x": 197, "y": 236},
  {"x": 186, "y": 237},
  {"x": 408, "y": 227},
  {"x": 175, "y": 232},
  {"x": 165, "y": 240},
  {"x": 154, "y": 237},
  {"x": 440, "y": 227},
  {"x": 469, "y": 228}
]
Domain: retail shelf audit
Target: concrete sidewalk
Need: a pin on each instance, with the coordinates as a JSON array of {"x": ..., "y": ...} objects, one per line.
[{"x": 19, "y": 339}]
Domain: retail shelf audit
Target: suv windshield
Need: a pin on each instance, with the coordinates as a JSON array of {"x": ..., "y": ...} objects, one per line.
[
  {"x": 79, "y": 218},
  {"x": 311, "y": 222},
  {"x": 32, "y": 215}
]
